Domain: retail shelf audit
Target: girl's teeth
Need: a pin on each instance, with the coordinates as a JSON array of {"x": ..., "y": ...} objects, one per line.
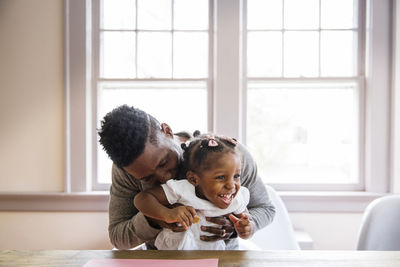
[
  {"x": 227, "y": 199},
  {"x": 227, "y": 196}
]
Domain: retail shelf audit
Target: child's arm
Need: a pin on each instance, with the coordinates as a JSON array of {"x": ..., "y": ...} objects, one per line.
[
  {"x": 242, "y": 224},
  {"x": 153, "y": 202}
]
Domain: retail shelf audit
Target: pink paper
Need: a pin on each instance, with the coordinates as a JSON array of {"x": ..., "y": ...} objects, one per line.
[{"x": 151, "y": 263}]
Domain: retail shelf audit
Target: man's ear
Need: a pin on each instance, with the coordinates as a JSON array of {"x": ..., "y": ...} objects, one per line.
[
  {"x": 192, "y": 178},
  {"x": 167, "y": 130}
]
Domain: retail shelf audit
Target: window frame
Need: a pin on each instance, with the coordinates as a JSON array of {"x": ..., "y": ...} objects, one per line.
[
  {"x": 229, "y": 81},
  {"x": 94, "y": 7},
  {"x": 360, "y": 95}
]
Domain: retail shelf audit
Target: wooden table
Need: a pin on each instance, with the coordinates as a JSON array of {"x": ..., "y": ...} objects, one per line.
[{"x": 226, "y": 258}]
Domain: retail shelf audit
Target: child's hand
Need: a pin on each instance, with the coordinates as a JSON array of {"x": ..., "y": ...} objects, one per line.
[
  {"x": 182, "y": 214},
  {"x": 243, "y": 226}
]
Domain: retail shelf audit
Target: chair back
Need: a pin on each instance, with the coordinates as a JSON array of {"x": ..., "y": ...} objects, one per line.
[
  {"x": 380, "y": 226},
  {"x": 279, "y": 235}
]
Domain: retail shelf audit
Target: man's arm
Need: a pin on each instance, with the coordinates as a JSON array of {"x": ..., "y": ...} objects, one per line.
[
  {"x": 260, "y": 206},
  {"x": 128, "y": 227}
]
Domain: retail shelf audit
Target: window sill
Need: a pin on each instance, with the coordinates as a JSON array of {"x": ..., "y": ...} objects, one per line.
[
  {"x": 85, "y": 201},
  {"x": 322, "y": 201},
  {"x": 98, "y": 201}
]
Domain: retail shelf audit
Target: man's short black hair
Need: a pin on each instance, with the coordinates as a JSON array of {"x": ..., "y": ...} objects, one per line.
[{"x": 124, "y": 132}]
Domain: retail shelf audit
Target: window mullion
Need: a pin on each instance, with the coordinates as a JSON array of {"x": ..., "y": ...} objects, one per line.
[
  {"x": 78, "y": 77},
  {"x": 136, "y": 39},
  {"x": 377, "y": 100},
  {"x": 211, "y": 63},
  {"x": 227, "y": 93},
  {"x": 319, "y": 39},
  {"x": 283, "y": 39},
  {"x": 172, "y": 38}
]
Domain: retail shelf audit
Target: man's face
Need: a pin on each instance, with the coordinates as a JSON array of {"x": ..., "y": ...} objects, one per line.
[{"x": 158, "y": 163}]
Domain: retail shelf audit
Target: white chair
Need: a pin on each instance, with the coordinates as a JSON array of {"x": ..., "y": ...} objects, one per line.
[
  {"x": 380, "y": 227},
  {"x": 279, "y": 235}
]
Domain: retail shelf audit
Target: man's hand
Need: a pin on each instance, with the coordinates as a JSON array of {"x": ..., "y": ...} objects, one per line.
[
  {"x": 243, "y": 226},
  {"x": 219, "y": 233}
]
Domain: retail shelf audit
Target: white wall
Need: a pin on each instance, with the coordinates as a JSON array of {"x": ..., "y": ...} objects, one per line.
[
  {"x": 32, "y": 140},
  {"x": 88, "y": 230},
  {"x": 54, "y": 230},
  {"x": 31, "y": 95},
  {"x": 329, "y": 231}
]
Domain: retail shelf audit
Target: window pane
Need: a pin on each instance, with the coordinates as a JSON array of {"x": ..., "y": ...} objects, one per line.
[
  {"x": 117, "y": 56},
  {"x": 163, "y": 100},
  {"x": 338, "y": 53},
  {"x": 118, "y": 14},
  {"x": 190, "y": 55},
  {"x": 264, "y": 14},
  {"x": 338, "y": 14},
  {"x": 301, "y": 54},
  {"x": 303, "y": 133},
  {"x": 154, "y": 14},
  {"x": 264, "y": 54},
  {"x": 154, "y": 55},
  {"x": 301, "y": 14},
  {"x": 104, "y": 165},
  {"x": 191, "y": 14}
]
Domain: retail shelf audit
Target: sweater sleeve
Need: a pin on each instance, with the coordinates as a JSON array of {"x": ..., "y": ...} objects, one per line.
[
  {"x": 260, "y": 206},
  {"x": 128, "y": 227}
]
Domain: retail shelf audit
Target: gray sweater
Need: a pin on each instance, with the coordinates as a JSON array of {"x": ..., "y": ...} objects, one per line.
[{"x": 129, "y": 228}]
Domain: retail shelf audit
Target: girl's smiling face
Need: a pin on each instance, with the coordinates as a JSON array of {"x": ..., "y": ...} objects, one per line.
[{"x": 220, "y": 183}]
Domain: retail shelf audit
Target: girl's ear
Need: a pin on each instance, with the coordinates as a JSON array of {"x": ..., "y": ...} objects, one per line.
[
  {"x": 192, "y": 178},
  {"x": 167, "y": 130}
]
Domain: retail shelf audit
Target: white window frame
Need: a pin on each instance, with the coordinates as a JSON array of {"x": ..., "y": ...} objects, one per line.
[
  {"x": 358, "y": 78},
  {"x": 375, "y": 88},
  {"x": 95, "y": 5},
  {"x": 228, "y": 84}
]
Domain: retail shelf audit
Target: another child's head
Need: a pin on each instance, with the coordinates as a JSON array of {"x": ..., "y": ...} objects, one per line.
[{"x": 212, "y": 165}]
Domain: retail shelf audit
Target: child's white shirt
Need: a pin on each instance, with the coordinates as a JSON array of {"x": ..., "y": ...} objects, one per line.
[{"x": 183, "y": 192}]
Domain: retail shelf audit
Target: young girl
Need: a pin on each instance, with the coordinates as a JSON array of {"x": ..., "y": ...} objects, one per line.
[{"x": 211, "y": 188}]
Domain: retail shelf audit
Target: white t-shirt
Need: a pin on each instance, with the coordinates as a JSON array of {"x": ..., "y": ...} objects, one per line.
[{"x": 183, "y": 192}]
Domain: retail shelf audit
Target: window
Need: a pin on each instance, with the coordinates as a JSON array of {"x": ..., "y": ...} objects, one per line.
[
  {"x": 155, "y": 59},
  {"x": 304, "y": 91},
  {"x": 307, "y": 92}
]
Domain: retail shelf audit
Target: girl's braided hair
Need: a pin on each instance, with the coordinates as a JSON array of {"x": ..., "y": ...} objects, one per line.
[{"x": 200, "y": 152}]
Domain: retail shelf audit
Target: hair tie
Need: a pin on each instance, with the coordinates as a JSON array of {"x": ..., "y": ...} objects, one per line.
[
  {"x": 183, "y": 146},
  {"x": 231, "y": 140},
  {"x": 196, "y": 133},
  {"x": 211, "y": 141}
]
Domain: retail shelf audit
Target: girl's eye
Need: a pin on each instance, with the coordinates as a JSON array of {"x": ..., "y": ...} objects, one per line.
[
  {"x": 220, "y": 177},
  {"x": 237, "y": 176}
]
